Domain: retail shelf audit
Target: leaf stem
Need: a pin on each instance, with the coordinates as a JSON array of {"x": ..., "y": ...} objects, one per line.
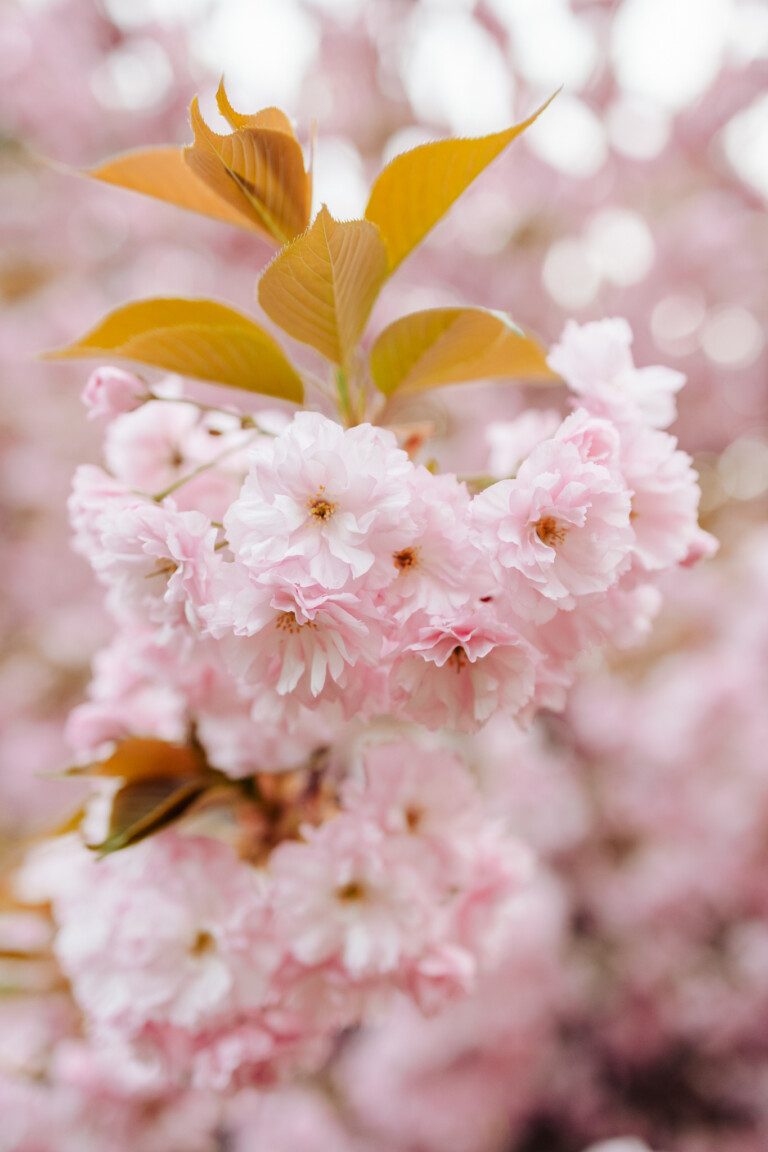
[
  {"x": 158, "y": 496},
  {"x": 342, "y": 388}
]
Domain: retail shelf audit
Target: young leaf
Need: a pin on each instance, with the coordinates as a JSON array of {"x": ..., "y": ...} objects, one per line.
[
  {"x": 321, "y": 287},
  {"x": 452, "y": 345},
  {"x": 418, "y": 187},
  {"x": 267, "y": 118},
  {"x": 162, "y": 173},
  {"x": 199, "y": 338},
  {"x": 259, "y": 172},
  {"x": 142, "y": 807}
]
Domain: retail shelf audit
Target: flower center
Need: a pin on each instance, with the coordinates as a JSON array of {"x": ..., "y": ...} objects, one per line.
[
  {"x": 321, "y": 509},
  {"x": 458, "y": 658},
  {"x": 163, "y": 567},
  {"x": 351, "y": 891},
  {"x": 406, "y": 559},
  {"x": 287, "y": 622},
  {"x": 203, "y": 944},
  {"x": 413, "y": 816},
  {"x": 549, "y": 531}
]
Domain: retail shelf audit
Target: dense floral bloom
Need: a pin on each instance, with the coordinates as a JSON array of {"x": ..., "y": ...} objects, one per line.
[
  {"x": 167, "y": 440},
  {"x": 563, "y": 522},
  {"x": 185, "y": 952},
  {"x": 459, "y": 672},
  {"x": 625, "y": 990},
  {"x": 323, "y": 506},
  {"x": 299, "y": 640},
  {"x": 156, "y": 561}
]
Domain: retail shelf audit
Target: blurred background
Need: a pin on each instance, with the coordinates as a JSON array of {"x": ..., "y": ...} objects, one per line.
[{"x": 641, "y": 192}]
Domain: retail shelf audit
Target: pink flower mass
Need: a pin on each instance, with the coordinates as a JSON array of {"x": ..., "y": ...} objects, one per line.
[
  {"x": 347, "y": 581},
  {"x": 382, "y": 756}
]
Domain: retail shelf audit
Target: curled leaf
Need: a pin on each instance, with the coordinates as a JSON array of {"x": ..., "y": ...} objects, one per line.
[
  {"x": 453, "y": 345},
  {"x": 418, "y": 187},
  {"x": 322, "y": 286},
  {"x": 258, "y": 171},
  {"x": 144, "y": 806},
  {"x": 199, "y": 338},
  {"x": 266, "y": 118}
]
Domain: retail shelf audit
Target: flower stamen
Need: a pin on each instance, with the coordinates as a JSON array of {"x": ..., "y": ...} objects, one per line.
[
  {"x": 549, "y": 531},
  {"x": 458, "y": 658},
  {"x": 321, "y": 509},
  {"x": 203, "y": 944},
  {"x": 406, "y": 559},
  {"x": 351, "y": 891},
  {"x": 287, "y": 622}
]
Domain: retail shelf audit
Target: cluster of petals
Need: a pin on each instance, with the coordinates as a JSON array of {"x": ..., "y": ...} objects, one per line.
[
  {"x": 284, "y": 588},
  {"x": 224, "y": 970},
  {"x": 328, "y": 572}
]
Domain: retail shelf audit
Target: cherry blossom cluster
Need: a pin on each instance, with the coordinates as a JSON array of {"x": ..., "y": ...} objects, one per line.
[
  {"x": 303, "y": 573},
  {"x": 295, "y": 596},
  {"x": 224, "y": 972}
]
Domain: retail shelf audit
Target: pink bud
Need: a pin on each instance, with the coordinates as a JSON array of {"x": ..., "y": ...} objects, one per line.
[{"x": 110, "y": 392}]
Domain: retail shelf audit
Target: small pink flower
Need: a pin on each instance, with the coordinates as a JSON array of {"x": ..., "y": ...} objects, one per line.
[
  {"x": 345, "y": 896},
  {"x": 595, "y": 360},
  {"x": 170, "y": 932},
  {"x": 665, "y": 500},
  {"x": 166, "y": 440},
  {"x": 297, "y": 640},
  {"x": 324, "y": 506},
  {"x": 458, "y": 673},
  {"x": 415, "y": 791},
  {"x": 440, "y": 569},
  {"x": 157, "y": 561},
  {"x": 563, "y": 522}
]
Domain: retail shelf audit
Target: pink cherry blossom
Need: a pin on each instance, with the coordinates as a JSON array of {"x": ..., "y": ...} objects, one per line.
[
  {"x": 346, "y": 896},
  {"x": 323, "y": 505},
  {"x": 298, "y": 640},
  {"x": 459, "y": 672},
  {"x": 157, "y": 560},
  {"x": 166, "y": 440},
  {"x": 563, "y": 522},
  {"x": 186, "y": 952},
  {"x": 665, "y": 499},
  {"x": 596, "y": 362},
  {"x": 440, "y": 569},
  {"x": 413, "y": 790}
]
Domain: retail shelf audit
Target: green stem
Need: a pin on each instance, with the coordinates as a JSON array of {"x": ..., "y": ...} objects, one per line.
[
  {"x": 203, "y": 468},
  {"x": 342, "y": 387}
]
